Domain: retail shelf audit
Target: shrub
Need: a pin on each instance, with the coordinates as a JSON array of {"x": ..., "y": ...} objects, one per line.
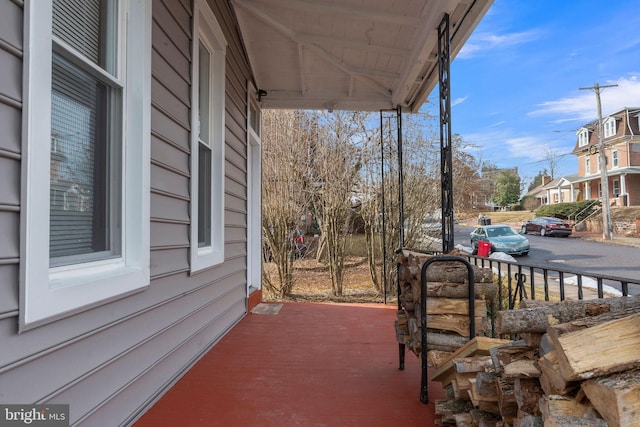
[{"x": 569, "y": 209}]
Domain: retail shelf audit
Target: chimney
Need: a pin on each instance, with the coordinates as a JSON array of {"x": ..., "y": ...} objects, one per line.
[{"x": 546, "y": 179}]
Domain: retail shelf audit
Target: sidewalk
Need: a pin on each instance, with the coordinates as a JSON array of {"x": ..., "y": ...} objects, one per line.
[{"x": 617, "y": 240}]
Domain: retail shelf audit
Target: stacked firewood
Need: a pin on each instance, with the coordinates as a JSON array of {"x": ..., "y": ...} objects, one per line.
[
  {"x": 575, "y": 363},
  {"x": 447, "y": 310}
]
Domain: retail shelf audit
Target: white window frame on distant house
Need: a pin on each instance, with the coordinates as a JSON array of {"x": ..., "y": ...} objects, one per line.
[
  {"x": 207, "y": 136},
  {"x": 609, "y": 127},
  {"x": 587, "y": 165},
  {"x": 583, "y": 137},
  {"x": 50, "y": 289},
  {"x": 614, "y": 159},
  {"x": 616, "y": 188}
]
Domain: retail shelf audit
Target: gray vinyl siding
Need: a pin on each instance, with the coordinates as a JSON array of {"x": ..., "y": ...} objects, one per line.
[
  {"x": 110, "y": 363},
  {"x": 10, "y": 157}
]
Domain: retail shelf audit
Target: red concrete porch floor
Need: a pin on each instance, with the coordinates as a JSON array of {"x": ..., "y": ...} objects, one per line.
[{"x": 308, "y": 365}]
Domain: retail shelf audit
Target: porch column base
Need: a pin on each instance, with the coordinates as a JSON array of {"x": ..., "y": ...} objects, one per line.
[{"x": 254, "y": 299}]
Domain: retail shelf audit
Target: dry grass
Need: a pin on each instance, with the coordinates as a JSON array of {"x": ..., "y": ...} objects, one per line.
[{"x": 312, "y": 283}]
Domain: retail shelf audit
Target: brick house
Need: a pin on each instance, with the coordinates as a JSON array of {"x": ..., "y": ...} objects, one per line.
[{"x": 622, "y": 150}]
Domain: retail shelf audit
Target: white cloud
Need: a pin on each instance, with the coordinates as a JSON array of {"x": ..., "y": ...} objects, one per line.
[
  {"x": 504, "y": 145},
  {"x": 481, "y": 42},
  {"x": 458, "y": 101},
  {"x": 583, "y": 107}
]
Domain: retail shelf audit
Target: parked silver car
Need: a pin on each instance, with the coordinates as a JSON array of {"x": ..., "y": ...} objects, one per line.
[{"x": 502, "y": 238}]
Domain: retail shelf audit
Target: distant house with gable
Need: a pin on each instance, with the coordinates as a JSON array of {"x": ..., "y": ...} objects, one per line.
[{"x": 622, "y": 150}]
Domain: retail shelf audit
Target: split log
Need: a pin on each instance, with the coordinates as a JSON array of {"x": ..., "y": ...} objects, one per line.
[
  {"x": 463, "y": 420},
  {"x": 616, "y": 398},
  {"x": 555, "y": 331},
  {"x": 484, "y": 419},
  {"x": 442, "y": 271},
  {"x": 523, "y": 368},
  {"x": 482, "y": 290},
  {"x": 462, "y": 382},
  {"x": 471, "y": 364},
  {"x": 600, "y": 350},
  {"x": 574, "y": 422},
  {"x": 445, "y": 342},
  {"x": 456, "y": 323},
  {"x": 561, "y": 406},
  {"x": 486, "y": 384},
  {"x": 507, "y": 399},
  {"x": 531, "y": 303},
  {"x": 528, "y": 420},
  {"x": 508, "y": 353},
  {"x": 532, "y": 339},
  {"x": 436, "y": 358},
  {"x": 528, "y": 393},
  {"x": 476, "y": 397},
  {"x": 551, "y": 380},
  {"x": 538, "y": 319},
  {"x": 455, "y": 306},
  {"x": 476, "y": 346},
  {"x": 449, "y": 407},
  {"x": 460, "y": 387}
]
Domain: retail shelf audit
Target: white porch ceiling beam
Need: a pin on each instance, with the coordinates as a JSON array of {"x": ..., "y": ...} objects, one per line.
[
  {"x": 402, "y": 93},
  {"x": 350, "y": 44},
  {"x": 353, "y": 12},
  {"x": 303, "y": 81}
]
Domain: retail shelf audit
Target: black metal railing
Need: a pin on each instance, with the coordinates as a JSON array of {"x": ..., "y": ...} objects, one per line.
[{"x": 532, "y": 281}]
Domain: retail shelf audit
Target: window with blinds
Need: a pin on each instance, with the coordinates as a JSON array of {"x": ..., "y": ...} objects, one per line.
[
  {"x": 207, "y": 139},
  {"x": 204, "y": 154},
  {"x": 85, "y": 149}
]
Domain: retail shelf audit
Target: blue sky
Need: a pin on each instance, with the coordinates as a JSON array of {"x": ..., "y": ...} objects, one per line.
[{"x": 515, "y": 85}]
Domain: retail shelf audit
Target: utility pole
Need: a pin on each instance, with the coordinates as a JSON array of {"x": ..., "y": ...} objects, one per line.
[{"x": 604, "y": 180}]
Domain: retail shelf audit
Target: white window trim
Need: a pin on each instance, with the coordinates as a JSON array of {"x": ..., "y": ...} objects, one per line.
[
  {"x": 615, "y": 159},
  {"x": 48, "y": 294},
  {"x": 205, "y": 26},
  {"x": 609, "y": 130},
  {"x": 613, "y": 188},
  {"x": 583, "y": 137},
  {"x": 254, "y": 192},
  {"x": 587, "y": 166}
]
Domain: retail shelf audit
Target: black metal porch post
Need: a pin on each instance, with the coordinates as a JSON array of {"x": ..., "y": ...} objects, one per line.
[{"x": 446, "y": 175}]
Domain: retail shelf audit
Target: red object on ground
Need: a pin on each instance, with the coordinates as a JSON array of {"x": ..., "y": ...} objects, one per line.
[{"x": 484, "y": 248}]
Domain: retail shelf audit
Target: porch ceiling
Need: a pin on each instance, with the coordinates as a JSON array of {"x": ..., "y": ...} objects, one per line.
[{"x": 350, "y": 54}]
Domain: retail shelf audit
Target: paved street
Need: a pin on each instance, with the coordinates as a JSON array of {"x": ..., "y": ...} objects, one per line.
[{"x": 582, "y": 252}]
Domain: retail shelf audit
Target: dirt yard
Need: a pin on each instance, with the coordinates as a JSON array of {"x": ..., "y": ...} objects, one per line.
[{"x": 312, "y": 283}]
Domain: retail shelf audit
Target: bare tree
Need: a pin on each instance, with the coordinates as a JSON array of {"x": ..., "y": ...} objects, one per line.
[
  {"x": 335, "y": 166},
  {"x": 467, "y": 183},
  {"x": 285, "y": 195},
  {"x": 370, "y": 194},
  {"x": 551, "y": 158},
  {"x": 420, "y": 192},
  {"x": 325, "y": 161}
]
